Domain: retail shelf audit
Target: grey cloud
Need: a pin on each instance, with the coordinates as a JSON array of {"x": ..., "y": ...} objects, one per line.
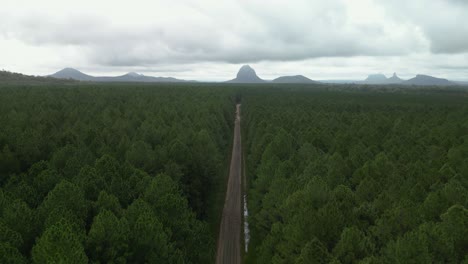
[
  {"x": 255, "y": 33},
  {"x": 460, "y": 2},
  {"x": 207, "y": 39},
  {"x": 443, "y": 22}
]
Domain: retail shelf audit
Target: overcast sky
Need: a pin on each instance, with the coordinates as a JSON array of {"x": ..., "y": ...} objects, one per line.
[{"x": 211, "y": 39}]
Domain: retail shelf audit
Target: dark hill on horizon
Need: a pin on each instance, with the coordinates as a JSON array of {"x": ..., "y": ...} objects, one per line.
[
  {"x": 293, "y": 79},
  {"x": 19, "y": 78},
  {"x": 427, "y": 80},
  {"x": 376, "y": 79},
  {"x": 382, "y": 79},
  {"x": 420, "y": 79},
  {"x": 70, "y": 73},
  {"x": 394, "y": 79},
  {"x": 246, "y": 74}
]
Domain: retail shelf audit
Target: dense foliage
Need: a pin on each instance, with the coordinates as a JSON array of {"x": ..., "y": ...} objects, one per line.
[
  {"x": 13, "y": 78},
  {"x": 357, "y": 176},
  {"x": 114, "y": 173},
  {"x": 128, "y": 173}
]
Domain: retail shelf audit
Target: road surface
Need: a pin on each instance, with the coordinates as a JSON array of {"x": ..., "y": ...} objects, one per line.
[{"x": 229, "y": 241}]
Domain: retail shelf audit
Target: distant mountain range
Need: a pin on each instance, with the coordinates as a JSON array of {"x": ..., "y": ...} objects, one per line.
[
  {"x": 420, "y": 79},
  {"x": 247, "y": 74},
  {"x": 70, "y": 73},
  {"x": 13, "y": 77}
]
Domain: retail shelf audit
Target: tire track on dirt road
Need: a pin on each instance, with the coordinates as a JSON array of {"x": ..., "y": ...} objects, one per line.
[{"x": 229, "y": 241}]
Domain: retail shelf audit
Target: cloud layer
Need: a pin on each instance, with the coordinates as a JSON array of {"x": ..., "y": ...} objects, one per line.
[{"x": 164, "y": 35}]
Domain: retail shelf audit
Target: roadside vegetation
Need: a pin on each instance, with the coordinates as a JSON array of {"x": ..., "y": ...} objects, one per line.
[
  {"x": 111, "y": 173},
  {"x": 357, "y": 176}
]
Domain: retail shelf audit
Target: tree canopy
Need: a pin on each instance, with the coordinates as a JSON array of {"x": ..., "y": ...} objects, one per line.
[
  {"x": 354, "y": 176},
  {"x": 111, "y": 174}
]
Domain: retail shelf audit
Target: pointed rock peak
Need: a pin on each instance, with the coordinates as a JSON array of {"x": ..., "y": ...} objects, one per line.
[
  {"x": 394, "y": 79},
  {"x": 247, "y": 74},
  {"x": 246, "y": 67},
  {"x": 246, "y": 71}
]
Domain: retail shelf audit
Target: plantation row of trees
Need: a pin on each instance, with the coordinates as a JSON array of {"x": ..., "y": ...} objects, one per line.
[
  {"x": 356, "y": 177},
  {"x": 114, "y": 173}
]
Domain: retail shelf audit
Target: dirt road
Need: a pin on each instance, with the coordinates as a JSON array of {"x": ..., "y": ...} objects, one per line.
[{"x": 229, "y": 241}]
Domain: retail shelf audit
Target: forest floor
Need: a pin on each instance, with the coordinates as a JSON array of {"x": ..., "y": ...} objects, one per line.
[{"x": 229, "y": 241}]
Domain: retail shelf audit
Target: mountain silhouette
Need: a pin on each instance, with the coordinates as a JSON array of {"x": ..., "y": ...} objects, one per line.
[
  {"x": 376, "y": 79},
  {"x": 394, "y": 79},
  {"x": 382, "y": 79},
  {"x": 422, "y": 79},
  {"x": 293, "y": 79},
  {"x": 246, "y": 74},
  {"x": 14, "y": 77},
  {"x": 70, "y": 73}
]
